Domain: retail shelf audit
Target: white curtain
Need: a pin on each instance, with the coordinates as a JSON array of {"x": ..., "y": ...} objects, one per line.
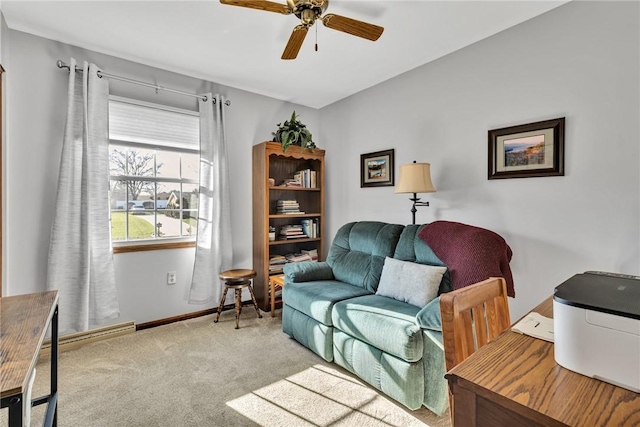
[
  {"x": 213, "y": 247},
  {"x": 80, "y": 255}
]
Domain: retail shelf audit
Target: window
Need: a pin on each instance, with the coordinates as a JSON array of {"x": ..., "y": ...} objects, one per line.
[{"x": 154, "y": 165}]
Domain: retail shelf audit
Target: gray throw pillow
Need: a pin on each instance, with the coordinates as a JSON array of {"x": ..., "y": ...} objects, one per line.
[{"x": 413, "y": 283}]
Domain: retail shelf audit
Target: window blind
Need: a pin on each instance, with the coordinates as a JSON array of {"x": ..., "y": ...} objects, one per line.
[{"x": 153, "y": 125}]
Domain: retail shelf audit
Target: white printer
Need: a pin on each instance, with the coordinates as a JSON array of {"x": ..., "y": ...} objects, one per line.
[{"x": 596, "y": 322}]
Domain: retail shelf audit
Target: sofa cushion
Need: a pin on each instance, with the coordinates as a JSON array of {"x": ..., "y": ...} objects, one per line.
[
  {"x": 413, "y": 283},
  {"x": 436, "y": 391},
  {"x": 402, "y": 380},
  {"x": 382, "y": 322},
  {"x": 411, "y": 248},
  {"x": 358, "y": 251},
  {"x": 309, "y": 332},
  {"x": 307, "y": 271},
  {"x": 316, "y": 299},
  {"x": 429, "y": 316}
]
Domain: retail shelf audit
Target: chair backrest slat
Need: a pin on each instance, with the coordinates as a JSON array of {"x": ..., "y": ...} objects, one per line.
[{"x": 473, "y": 316}]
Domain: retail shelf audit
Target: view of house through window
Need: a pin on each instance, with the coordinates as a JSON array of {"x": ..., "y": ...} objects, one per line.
[{"x": 154, "y": 170}]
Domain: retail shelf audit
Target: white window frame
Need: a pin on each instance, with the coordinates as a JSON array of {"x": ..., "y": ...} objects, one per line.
[{"x": 155, "y": 242}]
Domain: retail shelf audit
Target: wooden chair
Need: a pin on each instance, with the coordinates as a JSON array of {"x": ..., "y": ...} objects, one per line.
[{"x": 471, "y": 317}]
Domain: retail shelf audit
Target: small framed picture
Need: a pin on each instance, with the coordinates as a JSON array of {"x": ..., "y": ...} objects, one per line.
[
  {"x": 530, "y": 150},
  {"x": 376, "y": 169}
]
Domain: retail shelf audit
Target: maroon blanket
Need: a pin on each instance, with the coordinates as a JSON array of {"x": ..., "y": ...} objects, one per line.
[{"x": 472, "y": 254}]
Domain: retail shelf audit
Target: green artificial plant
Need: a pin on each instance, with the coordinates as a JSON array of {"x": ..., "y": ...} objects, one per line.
[{"x": 293, "y": 132}]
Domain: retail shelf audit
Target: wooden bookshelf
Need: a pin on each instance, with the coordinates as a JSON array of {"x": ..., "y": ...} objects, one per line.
[{"x": 270, "y": 161}]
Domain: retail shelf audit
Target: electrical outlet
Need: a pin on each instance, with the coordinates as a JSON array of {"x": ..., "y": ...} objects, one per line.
[{"x": 171, "y": 278}]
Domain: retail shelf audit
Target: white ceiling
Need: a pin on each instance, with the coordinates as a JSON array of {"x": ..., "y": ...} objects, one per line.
[{"x": 240, "y": 47}]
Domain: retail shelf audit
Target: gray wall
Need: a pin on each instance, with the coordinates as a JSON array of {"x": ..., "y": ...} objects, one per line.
[
  {"x": 36, "y": 107},
  {"x": 580, "y": 61}
]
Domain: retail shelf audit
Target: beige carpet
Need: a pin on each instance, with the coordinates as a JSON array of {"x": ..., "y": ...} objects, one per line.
[{"x": 197, "y": 373}]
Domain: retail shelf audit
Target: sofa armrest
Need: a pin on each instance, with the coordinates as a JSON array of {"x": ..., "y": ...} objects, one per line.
[
  {"x": 429, "y": 316},
  {"x": 307, "y": 271}
]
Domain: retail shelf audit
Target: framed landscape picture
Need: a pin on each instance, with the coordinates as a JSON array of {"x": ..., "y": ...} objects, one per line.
[
  {"x": 376, "y": 169},
  {"x": 533, "y": 149}
]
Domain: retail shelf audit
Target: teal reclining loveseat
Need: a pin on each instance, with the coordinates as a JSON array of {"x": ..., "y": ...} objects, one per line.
[{"x": 335, "y": 309}]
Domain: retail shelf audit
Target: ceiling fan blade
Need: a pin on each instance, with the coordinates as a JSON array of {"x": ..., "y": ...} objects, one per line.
[
  {"x": 352, "y": 26},
  {"x": 295, "y": 42},
  {"x": 269, "y": 6}
]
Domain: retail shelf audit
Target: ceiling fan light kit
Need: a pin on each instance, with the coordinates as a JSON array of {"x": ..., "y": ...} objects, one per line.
[{"x": 308, "y": 11}]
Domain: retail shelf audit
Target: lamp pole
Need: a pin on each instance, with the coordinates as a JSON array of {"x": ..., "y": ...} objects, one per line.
[{"x": 416, "y": 202}]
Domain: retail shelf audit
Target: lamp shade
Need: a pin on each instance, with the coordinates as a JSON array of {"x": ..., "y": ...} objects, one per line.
[{"x": 415, "y": 178}]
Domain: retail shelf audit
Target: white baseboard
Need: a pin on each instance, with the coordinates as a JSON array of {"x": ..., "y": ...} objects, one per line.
[{"x": 71, "y": 341}]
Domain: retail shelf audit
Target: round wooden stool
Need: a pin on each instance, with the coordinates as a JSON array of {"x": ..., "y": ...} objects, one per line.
[{"x": 237, "y": 279}]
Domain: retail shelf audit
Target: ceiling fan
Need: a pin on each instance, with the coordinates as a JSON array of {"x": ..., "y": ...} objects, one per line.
[{"x": 308, "y": 11}]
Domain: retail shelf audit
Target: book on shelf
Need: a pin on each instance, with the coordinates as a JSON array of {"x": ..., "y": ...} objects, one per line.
[
  {"x": 292, "y": 182},
  {"x": 310, "y": 227},
  {"x": 291, "y": 231},
  {"x": 298, "y": 257},
  {"x": 288, "y": 207},
  {"x": 277, "y": 262},
  {"x": 277, "y": 259},
  {"x": 313, "y": 253},
  {"x": 306, "y": 177}
]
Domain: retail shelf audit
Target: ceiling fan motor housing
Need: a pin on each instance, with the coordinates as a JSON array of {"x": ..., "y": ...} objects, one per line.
[{"x": 308, "y": 10}]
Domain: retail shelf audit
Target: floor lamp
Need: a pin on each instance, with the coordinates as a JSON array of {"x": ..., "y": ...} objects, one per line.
[{"x": 415, "y": 178}]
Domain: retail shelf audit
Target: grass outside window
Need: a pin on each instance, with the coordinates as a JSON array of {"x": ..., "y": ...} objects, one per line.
[{"x": 138, "y": 227}]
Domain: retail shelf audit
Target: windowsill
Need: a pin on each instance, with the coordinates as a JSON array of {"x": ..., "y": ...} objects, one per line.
[{"x": 152, "y": 246}]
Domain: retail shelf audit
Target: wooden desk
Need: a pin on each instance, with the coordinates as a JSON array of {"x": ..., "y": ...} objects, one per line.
[
  {"x": 24, "y": 320},
  {"x": 515, "y": 381}
]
